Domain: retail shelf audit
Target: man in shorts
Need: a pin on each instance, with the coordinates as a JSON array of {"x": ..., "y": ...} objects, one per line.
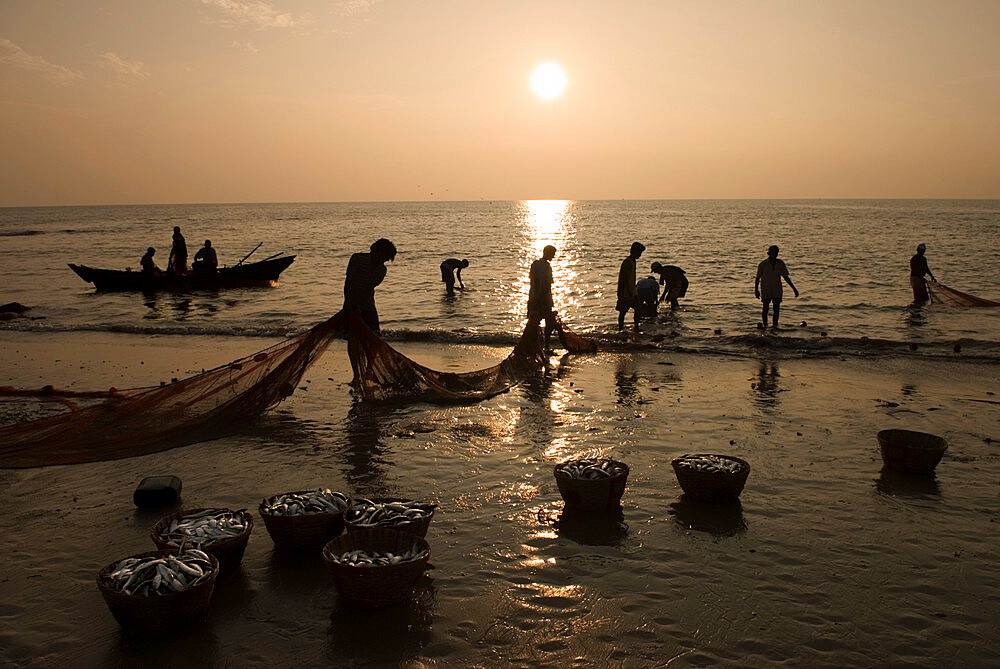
[{"x": 767, "y": 286}]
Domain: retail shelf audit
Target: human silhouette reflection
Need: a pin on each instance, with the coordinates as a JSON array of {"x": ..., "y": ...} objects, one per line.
[
  {"x": 365, "y": 451},
  {"x": 626, "y": 381},
  {"x": 538, "y": 420},
  {"x": 766, "y": 387},
  {"x": 719, "y": 520}
]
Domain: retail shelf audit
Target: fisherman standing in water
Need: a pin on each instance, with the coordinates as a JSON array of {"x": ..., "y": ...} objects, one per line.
[
  {"x": 919, "y": 268},
  {"x": 767, "y": 286},
  {"x": 449, "y": 269},
  {"x": 540, "y": 292},
  {"x": 178, "y": 260},
  {"x": 627, "y": 297},
  {"x": 365, "y": 271}
]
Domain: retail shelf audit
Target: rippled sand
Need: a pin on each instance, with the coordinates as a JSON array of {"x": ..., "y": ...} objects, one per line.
[{"x": 828, "y": 561}]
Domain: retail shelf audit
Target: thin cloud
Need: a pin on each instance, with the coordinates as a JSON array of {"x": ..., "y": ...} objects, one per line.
[
  {"x": 254, "y": 13},
  {"x": 246, "y": 47},
  {"x": 354, "y": 7},
  {"x": 12, "y": 54},
  {"x": 123, "y": 69}
]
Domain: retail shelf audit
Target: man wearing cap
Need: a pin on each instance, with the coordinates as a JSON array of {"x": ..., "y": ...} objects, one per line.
[{"x": 918, "y": 269}]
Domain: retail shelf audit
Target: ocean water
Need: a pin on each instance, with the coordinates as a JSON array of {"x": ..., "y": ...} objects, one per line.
[{"x": 849, "y": 259}]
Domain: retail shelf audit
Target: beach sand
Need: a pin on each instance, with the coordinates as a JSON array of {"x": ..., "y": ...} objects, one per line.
[{"x": 827, "y": 561}]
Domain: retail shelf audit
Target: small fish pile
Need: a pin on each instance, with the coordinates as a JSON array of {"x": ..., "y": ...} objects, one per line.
[
  {"x": 366, "y": 513},
  {"x": 303, "y": 503},
  {"x": 361, "y": 558},
  {"x": 205, "y": 527},
  {"x": 712, "y": 464},
  {"x": 591, "y": 468},
  {"x": 150, "y": 576}
]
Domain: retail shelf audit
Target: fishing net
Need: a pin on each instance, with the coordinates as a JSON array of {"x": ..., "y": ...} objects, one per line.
[
  {"x": 223, "y": 400},
  {"x": 941, "y": 294}
]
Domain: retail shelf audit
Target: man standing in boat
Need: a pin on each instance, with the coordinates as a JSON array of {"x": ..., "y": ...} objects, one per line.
[
  {"x": 178, "y": 261},
  {"x": 365, "y": 271},
  {"x": 205, "y": 260},
  {"x": 918, "y": 269}
]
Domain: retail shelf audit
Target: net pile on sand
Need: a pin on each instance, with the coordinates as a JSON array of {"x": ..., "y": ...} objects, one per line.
[
  {"x": 941, "y": 294},
  {"x": 221, "y": 401}
]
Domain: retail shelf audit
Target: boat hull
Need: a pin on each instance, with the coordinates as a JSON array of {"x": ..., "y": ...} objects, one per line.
[{"x": 256, "y": 274}]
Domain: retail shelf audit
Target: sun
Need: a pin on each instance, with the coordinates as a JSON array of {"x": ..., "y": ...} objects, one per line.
[{"x": 548, "y": 80}]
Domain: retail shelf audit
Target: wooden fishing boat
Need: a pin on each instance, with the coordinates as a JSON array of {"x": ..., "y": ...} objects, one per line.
[{"x": 261, "y": 273}]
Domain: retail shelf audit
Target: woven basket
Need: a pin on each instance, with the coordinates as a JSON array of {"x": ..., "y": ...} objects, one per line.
[
  {"x": 304, "y": 532},
  {"x": 417, "y": 527},
  {"x": 382, "y": 585},
  {"x": 229, "y": 551},
  {"x": 711, "y": 486},
  {"x": 911, "y": 452},
  {"x": 592, "y": 494},
  {"x": 157, "y": 615}
]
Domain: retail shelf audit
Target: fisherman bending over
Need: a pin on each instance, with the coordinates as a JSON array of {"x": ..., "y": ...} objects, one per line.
[
  {"x": 674, "y": 282},
  {"x": 647, "y": 291},
  {"x": 364, "y": 272},
  {"x": 449, "y": 269},
  {"x": 205, "y": 259}
]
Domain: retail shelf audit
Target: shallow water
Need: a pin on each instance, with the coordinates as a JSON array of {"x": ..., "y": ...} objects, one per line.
[
  {"x": 827, "y": 561},
  {"x": 849, "y": 258}
]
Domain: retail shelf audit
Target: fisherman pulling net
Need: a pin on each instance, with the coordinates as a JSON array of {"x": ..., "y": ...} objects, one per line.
[{"x": 223, "y": 400}]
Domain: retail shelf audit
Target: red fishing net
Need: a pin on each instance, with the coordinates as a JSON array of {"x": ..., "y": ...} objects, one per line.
[
  {"x": 223, "y": 400},
  {"x": 941, "y": 294}
]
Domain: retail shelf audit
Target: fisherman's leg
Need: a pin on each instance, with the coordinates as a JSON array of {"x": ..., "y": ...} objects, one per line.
[
  {"x": 370, "y": 318},
  {"x": 763, "y": 311},
  {"x": 777, "y": 310},
  {"x": 621, "y": 319}
]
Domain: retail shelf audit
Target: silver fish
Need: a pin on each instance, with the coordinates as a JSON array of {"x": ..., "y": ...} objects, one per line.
[
  {"x": 366, "y": 513},
  {"x": 713, "y": 464},
  {"x": 205, "y": 527},
  {"x": 301, "y": 503},
  {"x": 151, "y": 576},
  {"x": 360, "y": 558},
  {"x": 591, "y": 468}
]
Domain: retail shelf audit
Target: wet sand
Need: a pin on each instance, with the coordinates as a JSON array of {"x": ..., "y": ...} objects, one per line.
[{"x": 827, "y": 561}]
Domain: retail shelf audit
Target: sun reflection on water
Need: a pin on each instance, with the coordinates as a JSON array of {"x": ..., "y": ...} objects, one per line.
[{"x": 540, "y": 223}]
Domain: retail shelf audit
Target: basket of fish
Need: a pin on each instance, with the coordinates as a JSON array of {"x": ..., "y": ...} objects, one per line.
[
  {"x": 592, "y": 484},
  {"x": 376, "y": 567},
  {"x": 223, "y": 533},
  {"x": 911, "y": 452},
  {"x": 711, "y": 478},
  {"x": 158, "y": 592},
  {"x": 402, "y": 515},
  {"x": 304, "y": 520}
]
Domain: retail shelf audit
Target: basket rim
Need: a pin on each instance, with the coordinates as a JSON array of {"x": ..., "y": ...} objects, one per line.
[
  {"x": 361, "y": 534},
  {"x": 103, "y": 573},
  {"x": 156, "y": 530},
  {"x": 678, "y": 464},
  {"x": 260, "y": 507},
  {"x": 560, "y": 474},
  {"x": 938, "y": 443}
]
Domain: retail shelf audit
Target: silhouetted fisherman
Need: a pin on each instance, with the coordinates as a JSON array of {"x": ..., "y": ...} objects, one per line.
[
  {"x": 674, "y": 282},
  {"x": 147, "y": 263},
  {"x": 178, "y": 259},
  {"x": 364, "y": 272},
  {"x": 767, "y": 286},
  {"x": 647, "y": 290},
  {"x": 205, "y": 260},
  {"x": 627, "y": 297},
  {"x": 918, "y": 269},
  {"x": 451, "y": 268},
  {"x": 540, "y": 292}
]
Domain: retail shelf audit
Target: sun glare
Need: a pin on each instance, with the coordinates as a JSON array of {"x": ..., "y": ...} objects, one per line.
[{"x": 548, "y": 80}]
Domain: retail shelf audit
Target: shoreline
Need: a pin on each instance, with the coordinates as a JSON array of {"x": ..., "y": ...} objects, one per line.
[{"x": 827, "y": 561}]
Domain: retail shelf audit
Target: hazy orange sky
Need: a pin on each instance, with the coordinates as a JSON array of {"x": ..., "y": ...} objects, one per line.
[{"x": 142, "y": 101}]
